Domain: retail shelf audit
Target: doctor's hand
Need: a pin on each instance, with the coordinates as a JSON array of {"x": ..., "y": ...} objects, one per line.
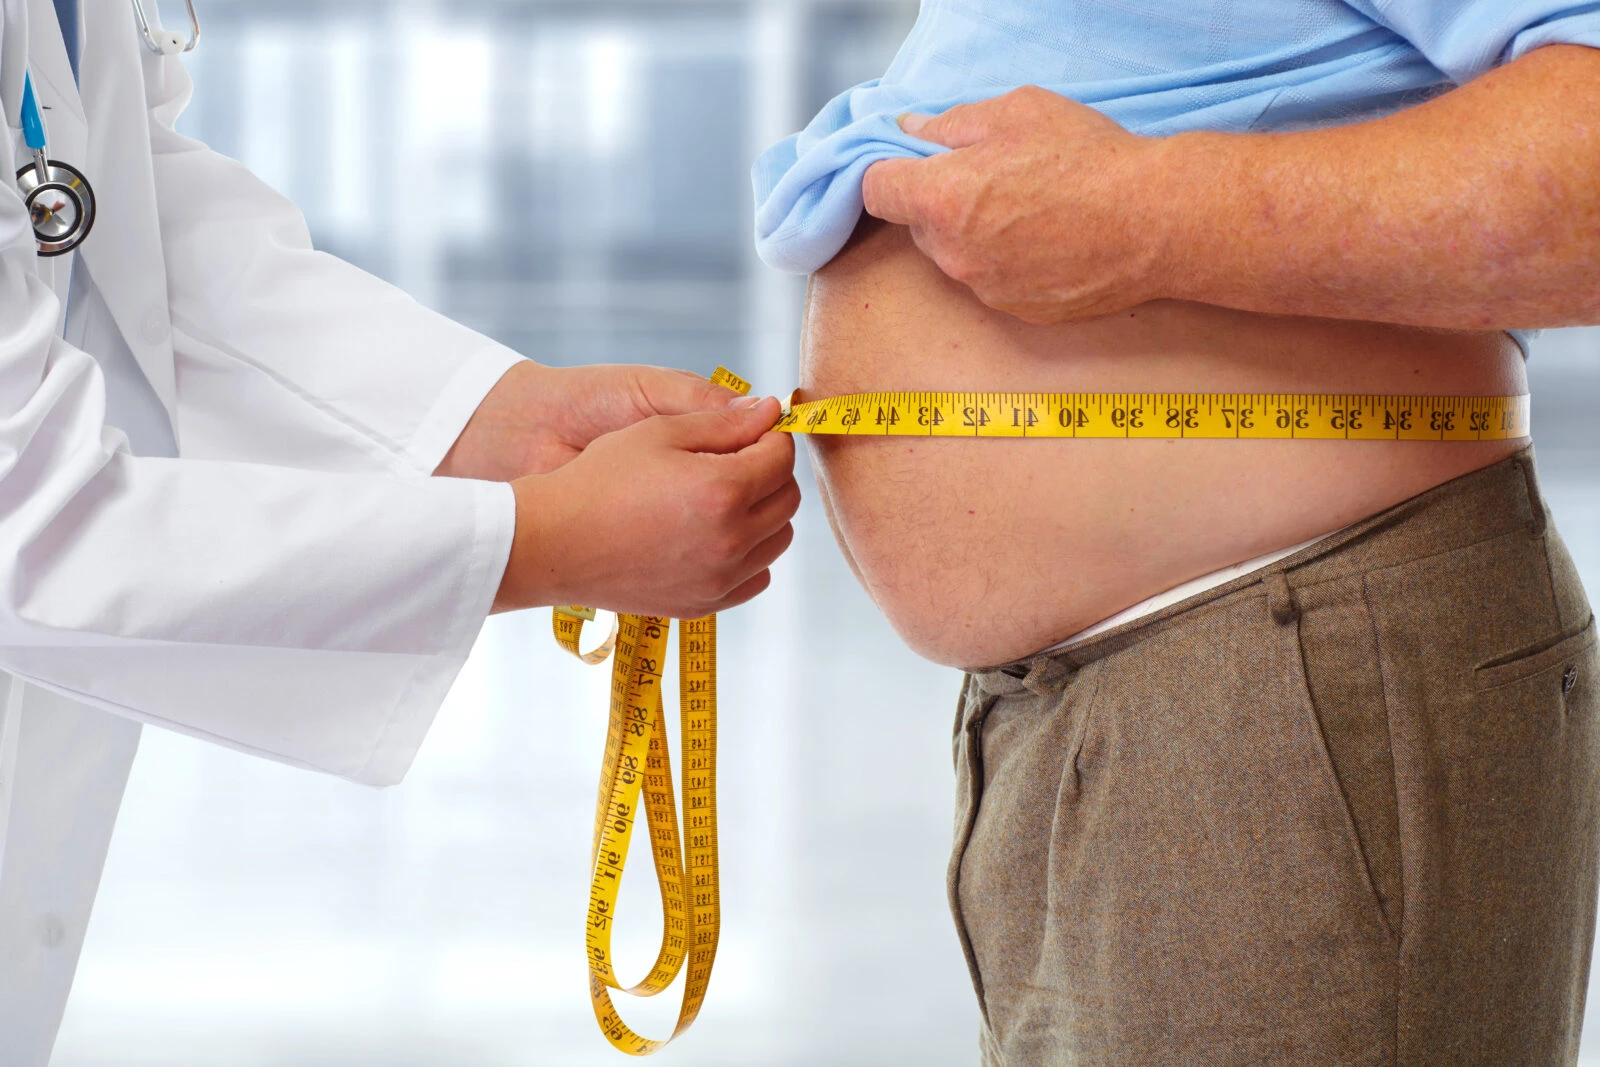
[
  {"x": 538, "y": 418},
  {"x": 677, "y": 515},
  {"x": 1044, "y": 208}
]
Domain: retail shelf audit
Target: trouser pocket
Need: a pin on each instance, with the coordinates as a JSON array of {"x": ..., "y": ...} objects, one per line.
[
  {"x": 1344, "y": 680},
  {"x": 1490, "y": 664},
  {"x": 1162, "y": 870}
]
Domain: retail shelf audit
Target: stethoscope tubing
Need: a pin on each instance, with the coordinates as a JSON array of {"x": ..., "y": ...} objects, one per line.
[
  {"x": 45, "y": 177},
  {"x": 52, "y": 191}
]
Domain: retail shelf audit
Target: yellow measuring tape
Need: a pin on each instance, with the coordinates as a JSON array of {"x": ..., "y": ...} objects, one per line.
[
  {"x": 637, "y": 765},
  {"x": 1165, "y": 416}
]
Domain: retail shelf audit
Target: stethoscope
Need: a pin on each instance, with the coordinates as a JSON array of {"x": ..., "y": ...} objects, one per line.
[{"x": 58, "y": 197}]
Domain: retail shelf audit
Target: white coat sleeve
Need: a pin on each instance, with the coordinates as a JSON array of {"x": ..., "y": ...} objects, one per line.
[
  {"x": 316, "y": 617},
  {"x": 284, "y": 354}
]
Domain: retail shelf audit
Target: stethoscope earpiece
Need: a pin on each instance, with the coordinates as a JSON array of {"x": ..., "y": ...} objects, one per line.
[
  {"x": 58, "y": 197},
  {"x": 164, "y": 42}
]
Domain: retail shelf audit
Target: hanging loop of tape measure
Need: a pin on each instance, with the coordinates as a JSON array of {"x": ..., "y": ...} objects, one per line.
[
  {"x": 637, "y": 766},
  {"x": 569, "y": 620},
  {"x": 636, "y": 772}
]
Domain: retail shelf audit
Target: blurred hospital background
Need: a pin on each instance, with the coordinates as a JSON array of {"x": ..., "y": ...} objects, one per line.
[{"x": 570, "y": 176}]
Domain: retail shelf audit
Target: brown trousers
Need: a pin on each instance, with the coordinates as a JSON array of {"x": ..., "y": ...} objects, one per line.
[{"x": 1339, "y": 811}]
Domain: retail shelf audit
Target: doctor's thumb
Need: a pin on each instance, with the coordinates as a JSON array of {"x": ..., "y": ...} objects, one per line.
[
  {"x": 680, "y": 392},
  {"x": 737, "y": 426}
]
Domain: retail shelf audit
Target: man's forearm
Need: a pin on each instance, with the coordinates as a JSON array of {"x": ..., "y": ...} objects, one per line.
[{"x": 1479, "y": 209}]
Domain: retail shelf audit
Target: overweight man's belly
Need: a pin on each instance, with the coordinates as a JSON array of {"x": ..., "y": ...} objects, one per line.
[{"x": 984, "y": 551}]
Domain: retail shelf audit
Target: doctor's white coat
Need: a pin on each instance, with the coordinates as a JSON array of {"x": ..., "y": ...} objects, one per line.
[{"x": 215, "y": 509}]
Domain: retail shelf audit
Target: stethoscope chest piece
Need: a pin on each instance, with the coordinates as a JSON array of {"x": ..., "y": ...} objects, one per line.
[
  {"x": 60, "y": 205},
  {"x": 58, "y": 197}
]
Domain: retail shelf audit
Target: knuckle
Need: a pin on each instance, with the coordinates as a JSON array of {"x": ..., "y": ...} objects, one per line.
[
  {"x": 711, "y": 590},
  {"x": 1031, "y": 99},
  {"x": 991, "y": 292},
  {"x": 727, "y": 547},
  {"x": 960, "y": 266},
  {"x": 779, "y": 542},
  {"x": 720, "y": 498},
  {"x": 941, "y": 206}
]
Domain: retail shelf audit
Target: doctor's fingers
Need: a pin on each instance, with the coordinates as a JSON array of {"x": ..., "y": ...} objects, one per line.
[
  {"x": 747, "y": 590},
  {"x": 773, "y": 511},
  {"x": 665, "y": 391},
  {"x": 724, "y": 431},
  {"x": 759, "y": 470},
  {"x": 742, "y": 540},
  {"x": 736, "y": 572},
  {"x": 767, "y": 552}
]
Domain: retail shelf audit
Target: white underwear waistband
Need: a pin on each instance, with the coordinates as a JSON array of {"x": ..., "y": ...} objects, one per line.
[{"x": 1153, "y": 604}]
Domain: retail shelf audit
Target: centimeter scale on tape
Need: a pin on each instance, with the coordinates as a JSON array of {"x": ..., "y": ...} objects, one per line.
[
  {"x": 1164, "y": 416},
  {"x": 637, "y": 767},
  {"x": 636, "y": 773}
]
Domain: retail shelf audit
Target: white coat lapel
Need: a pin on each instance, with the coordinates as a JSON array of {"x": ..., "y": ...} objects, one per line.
[
  {"x": 63, "y": 116},
  {"x": 52, "y": 79},
  {"x": 124, "y": 254},
  {"x": 13, "y": 58}
]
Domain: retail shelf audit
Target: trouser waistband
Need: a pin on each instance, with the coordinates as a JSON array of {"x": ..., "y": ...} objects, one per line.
[{"x": 1486, "y": 503}]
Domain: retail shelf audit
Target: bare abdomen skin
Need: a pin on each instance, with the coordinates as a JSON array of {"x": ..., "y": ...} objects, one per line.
[{"x": 984, "y": 551}]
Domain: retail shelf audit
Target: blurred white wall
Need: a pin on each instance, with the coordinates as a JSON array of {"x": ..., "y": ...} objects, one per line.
[{"x": 571, "y": 177}]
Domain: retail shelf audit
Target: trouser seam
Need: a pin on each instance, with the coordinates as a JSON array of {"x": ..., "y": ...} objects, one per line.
[
  {"x": 1539, "y": 528},
  {"x": 1081, "y": 734},
  {"x": 973, "y": 728},
  {"x": 1530, "y": 479},
  {"x": 1394, "y": 769},
  {"x": 961, "y": 720},
  {"x": 1399, "y": 823}
]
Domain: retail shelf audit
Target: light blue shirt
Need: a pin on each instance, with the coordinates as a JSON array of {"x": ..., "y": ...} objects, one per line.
[{"x": 1155, "y": 66}]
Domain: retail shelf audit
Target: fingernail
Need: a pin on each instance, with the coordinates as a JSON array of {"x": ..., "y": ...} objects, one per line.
[
  {"x": 746, "y": 401},
  {"x": 913, "y": 124}
]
